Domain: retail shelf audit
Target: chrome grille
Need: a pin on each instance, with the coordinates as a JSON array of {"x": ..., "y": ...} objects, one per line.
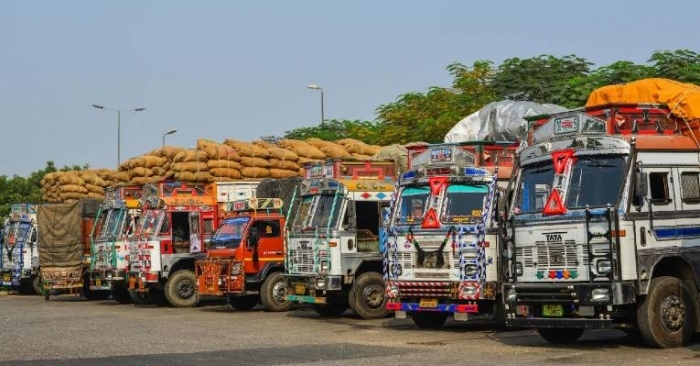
[
  {"x": 301, "y": 260},
  {"x": 558, "y": 254}
]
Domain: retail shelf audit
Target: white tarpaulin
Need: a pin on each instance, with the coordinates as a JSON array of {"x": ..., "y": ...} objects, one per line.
[{"x": 499, "y": 121}]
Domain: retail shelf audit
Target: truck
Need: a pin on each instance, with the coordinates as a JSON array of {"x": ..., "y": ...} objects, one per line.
[
  {"x": 115, "y": 222},
  {"x": 19, "y": 252},
  {"x": 332, "y": 256},
  {"x": 63, "y": 233},
  {"x": 601, "y": 230},
  {"x": 245, "y": 260},
  {"x": 178, "y": 221},
  {"x": 440, "y": 238}
]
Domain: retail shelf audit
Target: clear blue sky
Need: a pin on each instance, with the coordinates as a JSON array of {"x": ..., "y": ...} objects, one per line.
[{"x": 239, "y": 69}]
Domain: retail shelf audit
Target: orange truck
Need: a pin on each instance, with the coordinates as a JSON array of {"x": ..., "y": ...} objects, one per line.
[
  {"x": 178, "y": 220},
  {"x": 245, "y": 260}
]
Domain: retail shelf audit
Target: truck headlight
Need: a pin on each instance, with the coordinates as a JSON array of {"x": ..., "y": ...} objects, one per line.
[
  {"x": 470, "y": 270},
  {"x": 324, "y": 266},
  {"x": 603, "y": 266},
  {"x": 600, "y": 294},
  {"x": 511, "y": 295},
  {"x": 320, "y": 282},
  {"x": 469, "y": 291},
  {"x": 518, "y": 268}
]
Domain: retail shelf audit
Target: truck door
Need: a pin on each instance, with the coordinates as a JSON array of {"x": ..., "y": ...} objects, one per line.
[
  {"x": 196, "y": 238},
  {"x": 267, "y": 248}
]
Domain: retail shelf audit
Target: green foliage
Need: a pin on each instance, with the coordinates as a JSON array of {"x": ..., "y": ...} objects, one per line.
[
  {"x": 681, "y": 65},
  {"x": 333, "y": 130}
]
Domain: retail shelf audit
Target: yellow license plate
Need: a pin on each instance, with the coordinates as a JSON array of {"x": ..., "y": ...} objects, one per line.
[
  {"x": 299, "y": 289},
  {"x": 98, "y": 282},
  {"x": 6, "y": 277},
  {"x": 132, "y": 283},
  {"x": 553, "y": 310},
  {"x": 428, "y": 303}
]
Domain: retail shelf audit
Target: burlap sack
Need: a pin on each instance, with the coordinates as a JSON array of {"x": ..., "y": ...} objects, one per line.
[
  {"x": 91, "y": 177},
  {"x": 283, "y": 164},
  {"x": 247, "y": 149},
  {"x": 225, "y": 173},
  {"x": 202, "y": 143},
  {"x": 71, "y": 195},
  {"x": 254, "y": 162},
  {"x": 70, "y": 178},
  {"x": 253, "y": 172},
  {"x": 228, "y": 164},
  {"x": 94, "y": 189},
  {"x": 191, "y": 166},
  {"x": 361, "y": 157},
  {"x": 140, "y": 172},
  {"x": 304, "y": 161},
  {"x": 121, "y": 177},
  {"x": 160, "y": 171},
  {"x": 283, "y": 173},
  {"x": 221, "y": 152},
  {"x": 191, "y": 155},
  {"x": 151, "y": 161},
  {"x": 186, "y": 176},
  {"x": 167, "y": 152},
  {"x": 99, "y": 196},
  {"x": 140, "y": 180},
  {"x": 73, "y": 188},
  {"x": 302, "y": 149},
  {"x": 277, "y": 152}
]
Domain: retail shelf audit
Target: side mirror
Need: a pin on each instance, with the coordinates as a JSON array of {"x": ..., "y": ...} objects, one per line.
[
  {"x": 252, "y": 240},
  {"x": 641, "y": 188}
]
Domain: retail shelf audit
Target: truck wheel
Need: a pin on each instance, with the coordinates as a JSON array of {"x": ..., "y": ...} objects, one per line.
[
  {"x": 666, "y": 318},
  {"x": 38, "y": 284},
  {"x": 181, "y": 289},
  {"x": 244, "y": 302},
  {"x": 368, "y": 298},
  {"x": 429, "y": 319},
  {"x": 120, "y": 294},
  {"x": 272, "y": 293},
  {"x": 139, "y": 298},
  {"x": 560, "y": 335},
  {"x": 335, "y": 306},
  {"x": 25, "y": 287}
]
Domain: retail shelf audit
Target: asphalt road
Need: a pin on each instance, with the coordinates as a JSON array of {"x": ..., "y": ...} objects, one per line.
[{"x": 72, "y": 331}]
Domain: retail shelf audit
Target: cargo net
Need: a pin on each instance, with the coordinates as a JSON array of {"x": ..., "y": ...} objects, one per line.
[
  {"x": 215, "y": 276},
  {"x": 62, "y": 277}
]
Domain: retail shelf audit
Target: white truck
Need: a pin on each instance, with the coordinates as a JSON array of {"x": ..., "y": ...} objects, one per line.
[{"x": 19, "y": 252}]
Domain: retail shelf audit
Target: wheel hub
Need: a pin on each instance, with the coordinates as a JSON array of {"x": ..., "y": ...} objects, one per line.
[
  {"x": 673, "y": 313},
  {"x": 185, "y": 289},
  {"x": 373, "y": 296},
  {"x": 278, "y": 291}
]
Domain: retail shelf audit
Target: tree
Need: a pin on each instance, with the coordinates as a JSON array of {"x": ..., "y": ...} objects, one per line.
[{"x": 681, "y": 65}]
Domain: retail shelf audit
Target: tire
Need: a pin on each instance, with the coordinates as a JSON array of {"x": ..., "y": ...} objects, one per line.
[
  {"x": 157, "y": 296},
  {"x": 429, "y": 319},
  {"x": 26, "y": 288},
  {"x": 334, "y": 307},
  {"x": 273, "y": 291},
  {"x": 666, "y": 318},
  {"x": 244, "y": 302},
  {"x": 38, "y": 284},
  {"x": 139, "y": 298},
  {"x": 181, "y": 289},
  {"x": 120, "y": 294},
  {"x": 369, "y": 297},
  {"x": 561, "y": 335}
]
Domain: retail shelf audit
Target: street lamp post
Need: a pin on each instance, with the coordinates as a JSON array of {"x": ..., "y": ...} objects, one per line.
[
  {"x": 119, "y": 126},
  {"x": 166, "y": 134},
  {"x": 316, "y": 87}
]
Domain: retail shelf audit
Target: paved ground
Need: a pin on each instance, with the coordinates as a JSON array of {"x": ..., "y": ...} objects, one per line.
[{"x": 72, "y": 331}]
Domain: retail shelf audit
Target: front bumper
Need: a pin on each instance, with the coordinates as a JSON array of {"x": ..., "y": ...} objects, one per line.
[
  {"x": 105, "y": 279},
  {"x": 312, "y": 289}
]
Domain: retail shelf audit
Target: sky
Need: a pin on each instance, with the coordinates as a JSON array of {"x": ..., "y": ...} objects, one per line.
[{"x": 240, "y": 69}]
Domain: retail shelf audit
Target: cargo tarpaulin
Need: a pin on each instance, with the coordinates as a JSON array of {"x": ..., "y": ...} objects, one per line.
[
  {"x": 499, "y": 121},
  {"x": 683, "y": 99},
  {"x": 61, "y": 233}
]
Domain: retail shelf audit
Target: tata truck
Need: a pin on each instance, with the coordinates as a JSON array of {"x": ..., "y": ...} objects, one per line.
[{"x": 19, "y": 251}]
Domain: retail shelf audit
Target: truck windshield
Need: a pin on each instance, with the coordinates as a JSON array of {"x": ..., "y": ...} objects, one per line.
[
  {"x": 412, "y": 204},
  {"x": 326, "y": 212},
  {"x": 463, "y": 203},
  {"x": 19, "y": 232},
  {"x": 535, "y": 187},
  {"x": 302, "y": 214},
  {"x": 148, "y": 223},
  {"x": 230, "y": 233},
  {"x": 112, "y": 224},
  {"x": 595, "y": 181}
]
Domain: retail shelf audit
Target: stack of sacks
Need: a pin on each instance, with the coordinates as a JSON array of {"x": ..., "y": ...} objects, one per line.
[
  {"x": 224, "y": 162},
  {"x": 283, "y": 162},
  {"x": 72, "y": 185},
  {"x": 112, "y": 177},
  {"x": 307, "y": 153},
  {"x": 253, "y": 159},
  {"x": 190, "y": 165},
  {"x": 358, "y": 149},
  {"x": 330, "y": 149},
  {"x": 151, "y": 167}
]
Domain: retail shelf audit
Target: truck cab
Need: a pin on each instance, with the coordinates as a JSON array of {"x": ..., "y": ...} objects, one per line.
[
  {"x": 177, "y": 223},
  {"x": 333, "y": 260},
  {"x": 19, "y": 252},
  {"x": 115, "y": 222},
  {"x": 440, "y": 237},
  {"x": 245, "y": 259}
]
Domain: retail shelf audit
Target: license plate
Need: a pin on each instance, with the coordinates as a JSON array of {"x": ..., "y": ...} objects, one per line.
[
  {"x": 428, "y": 303},
  {"x": 98, "y": 282},
  {"x": 6, "y": 277},
  {"x": 553, "y": 310},
  {"x": 132, "y": 283},
  {"x": 299, "y": 289}
]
